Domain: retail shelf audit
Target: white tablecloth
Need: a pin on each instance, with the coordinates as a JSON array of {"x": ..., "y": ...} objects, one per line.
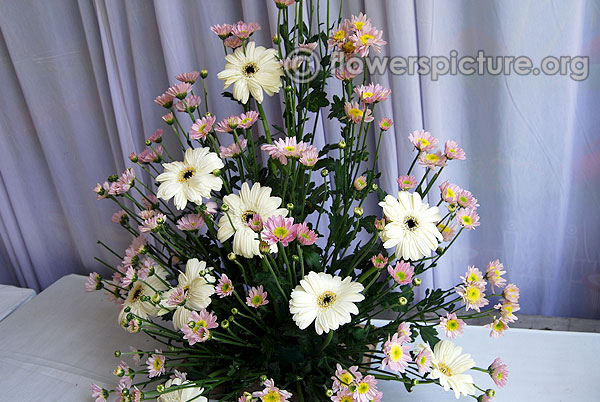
[
  {"x": 11, "y": 298},
  {"x": 53, "y": 347}
]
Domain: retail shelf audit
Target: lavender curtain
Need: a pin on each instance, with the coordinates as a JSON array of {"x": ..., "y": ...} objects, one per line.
[{"x": 79, "y": 78}]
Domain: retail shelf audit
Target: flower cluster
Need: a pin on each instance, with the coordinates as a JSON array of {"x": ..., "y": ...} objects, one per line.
[{"x": 261, "y": 272}]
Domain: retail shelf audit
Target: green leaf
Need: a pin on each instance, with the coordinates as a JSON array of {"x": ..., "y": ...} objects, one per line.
[
  {"x": 429, "y": 335},
  {"x": 316, "y": 100}
]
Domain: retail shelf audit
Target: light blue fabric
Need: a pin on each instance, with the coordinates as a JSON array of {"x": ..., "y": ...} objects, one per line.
[{"x": 79, "y": 79}]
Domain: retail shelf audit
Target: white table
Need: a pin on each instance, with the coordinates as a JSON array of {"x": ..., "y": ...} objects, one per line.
[
  {"x": 11, "y": 298},
  {"x": 53, "y": 347}
]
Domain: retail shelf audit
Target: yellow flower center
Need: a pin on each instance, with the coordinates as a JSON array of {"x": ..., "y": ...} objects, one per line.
[
  {"x": 396, "y": 352},
  {"x": 432, "y": 157},
  {"x": 348, "y": 47},
  {"x": 245, "y": 121},
  {"x": 280, "y": 232},
  {"x": 225, "y": 288},
  {"x": 463, "y": 199},
  {"x": 444, "y": 369},
  {"x": 272, "y": 396},
  {"x": 136, "y": 294},
  {"x": 339, "y": 35},
  {"x": 358, "y": 24},
  {"x": 450, "y": 194},
  {"x": 326, "y": 299},
  {"x": 451, "y": 150},
  {"x": 467, "y": 220},
  {"x": 473, "y": 278},
  {"x": 363, "y": 388},
  {"x": 401, "y": 275},
  {"x": 257, "y": 300},
  {"x": 508, "y": 309},
  {"x": 186, "y": 174},
  {"x": 473, "y": 293},
  {"x": 499, "y": 375},
  {"x": 347, "y": 398},
  {"x": 346, "y": 379},
  {"x": 365, "y": 39},
  {"x": 452, "y": 325},
  {"x": 367, "y": 95},
  {"x": 423, "y": 142},
  {"x": 498, "y": 326},
  {"x": 290, "y": 148},
  {"x": 354, "y": 112},
  {"x": 202, "y": 128},
  {"x": 422, "y": 360},
  {"x": 157, "y": 364},
  {"x": 247, "y": 216}
]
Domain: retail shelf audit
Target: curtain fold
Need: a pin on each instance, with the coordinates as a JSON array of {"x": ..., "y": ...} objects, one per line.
[{"x": 79, "y": 78}]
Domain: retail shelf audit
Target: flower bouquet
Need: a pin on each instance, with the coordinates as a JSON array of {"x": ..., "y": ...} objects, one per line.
[{"x": 253, "y": 264}]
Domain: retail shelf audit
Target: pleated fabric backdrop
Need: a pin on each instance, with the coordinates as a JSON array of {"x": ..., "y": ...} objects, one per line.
[{"x": 79, "y": 78}]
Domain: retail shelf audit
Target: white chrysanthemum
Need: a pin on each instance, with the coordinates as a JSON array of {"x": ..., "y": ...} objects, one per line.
[
  {"x": 251, "y": 71},
  {"x": 327, "y": 300},
  {"x": 411, "y": 226},
  {"x": 193, "y": 292},
  {"x": 192, "y": 179},
  {"x": 183, "y": 394},
  {"x": 448, "y": 365},
  {"x": 250, "y": 201},
  {"x": 140, "y": 288}
]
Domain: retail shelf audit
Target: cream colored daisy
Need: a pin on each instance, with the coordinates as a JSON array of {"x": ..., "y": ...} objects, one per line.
[
  {"x": 448, "y": 366},
  {"x": 193, "y": 292},
  {"x": 411, "y": 226},
  {"x": 146, "y": 287},
  {"x": 192, "y": 179},
  {"x": 327, "y": 300},
  {"x": 185, "y": 394},
  {"x": 251, "y": 71},
  {"x": 251, "y": 201}
]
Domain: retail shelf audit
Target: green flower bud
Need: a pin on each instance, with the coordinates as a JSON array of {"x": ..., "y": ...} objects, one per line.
[
  {"x": 374, "y": 187},
  {"x": 224, "y": 207},
  {"x": 148, "y": 143},
  {"x": 231, "y": 256},
  {"x": 160, "y": 388},
  {"x": 416, "y": 281},
  {"x": 225, "y": 324},
  {"x": 113, "y": 178},
  {"x": 403, "y": 301},
  {"x": 289, "y": 206},
  {"x": 415, "y": 381},
  {"x": 452, "y": 207},
  {"x": 295, "y": 257},
  {"x": 439, "y": 250},
  {"x": 156, "y": 297},
  {"x": 127, "y": 309},
  {"x": 130, "y": 316},
  {"x": 324, "y": 172},
  {"x": 119, "y": 372},
  {"x": 358, "y": 212},
  {"x": 216, "y": 172},
  {"x": 276, "y": 39},
  {"x": 203, "y": 73},
  {"x": 145, "y": 298},
  {"x": 264, "y": 247},
  {"x": 329, "y": 393},
  {"x": 490, "y": 392},
  {"x": 234, "y": 311},
  {"x": 117, "y": 353},
  {"x": 230, "y": 318},
  {"x": 342, "y": 144},
  {"x": 263, "y": 378}
]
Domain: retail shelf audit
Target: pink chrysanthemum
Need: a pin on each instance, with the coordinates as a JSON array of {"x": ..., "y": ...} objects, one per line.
[
  {"x": 189, "y": 104},
  {"x": 466, "y": 200},
  {"x": 367, "y": 38},
  {"x": 156, "y": 364},
  {"x": 190, "y": 222},
  {"x": 168, "y": 118},
  {"x": 150, "y": 155},
  {"x": 499, "y": 372},
  {"x": 123, "y": 183},
  {"x": 422, "y": 140},
  {"x": 94, "y": 282},
  {"x": 284, "y": 3},
  {"x": 449, "y": 192},
  {"x": 156, "y": 137},
  {"x": 360, "y": 183},
  {"x": 507, "y": 310},
  {"x": 493, "y": 273},
  {"x": 473, "y": 297},
  {"x": 199, "y": 326},
  {"x": 119, "y": 217},
  {"x": 359, "y": 22},
  {"x": 202, "y": 127},
  {"x": 244, "y": 30},
  {"x": 281, "y": 149},
  {"x": 133, "y": 157},
  {"x": 473, "y": 276},
  {"x": 452, "y": 325},
  {"x": 248, "y": 119},
  {"x": 356, "y": 113},
  {"x": 272, "y": 393},
  {"x": 379, "y": 261},
  {"x": 372, "y": 93},
  {"x": 447, "y": 230},
  {"x": 224, "y": 287},
  {"x": 453, "y": 151},
  {"x": 136, "y": 394},
  {"x": 432, "y": 160},
  {"x": 407, "y": 182},
  {"x": 385, "y": 124},
  {"x": 278, "y": 229},
  {"x": 257, "y": 297},
  {"x": 150, "y": 201},
  {"x": 233, "y": 42},
  {"x": 423, "y": 360},
  {"x": 305, "y": 235},
  {"x": 222, "y": 31},
  {"x": 100, "y": 394},
  {"x": 366, "y": 389},
  {"x": 232, "y": 150},
  {"x": 308, "y": 46},
  {"x": 404, "y": 332},
  {"x": 343, "y": 378},
  {"x": 396, "y": 355},
  {"x": 497, "y": 328},
  {"x": 165, "y": 100},
  {"x": 467, "y": 218},
  {"x": 345, "y": 74},
  {"x": 130, "y": 277},
  {"x": 179, "y": 91},
  {"x": 227, "y": 125},
  {"x": 402, "y": 272},
  {"x": 309, "y": 157},
  {"x": 153, "y": 224},
  {"x": 511, "y": 293},
  {"x": 190, "y": 77},
  {"x": 255, "y": 223}
]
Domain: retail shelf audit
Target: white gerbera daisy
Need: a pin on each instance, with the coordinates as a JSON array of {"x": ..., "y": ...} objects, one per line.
[
  {"x": 251, "y": 71},
  {"x": 193, "y": 292},
  {"x": 183, "y": 394},
  {"x": 251, "y": 201},
  {"x": 192, "y": 179},
  {"x": 411, "y": 227},
  {"x": 448, "y": 366},
  {"x": 140, "y": 288},
  {"x": 327, "y": 300}
]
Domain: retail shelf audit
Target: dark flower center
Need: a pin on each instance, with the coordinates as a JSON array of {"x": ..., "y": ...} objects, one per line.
[
  {"x": 188, "y": 175},
  {"x": 250, "y": 69},
  {"x": 410, "y": 223}
]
